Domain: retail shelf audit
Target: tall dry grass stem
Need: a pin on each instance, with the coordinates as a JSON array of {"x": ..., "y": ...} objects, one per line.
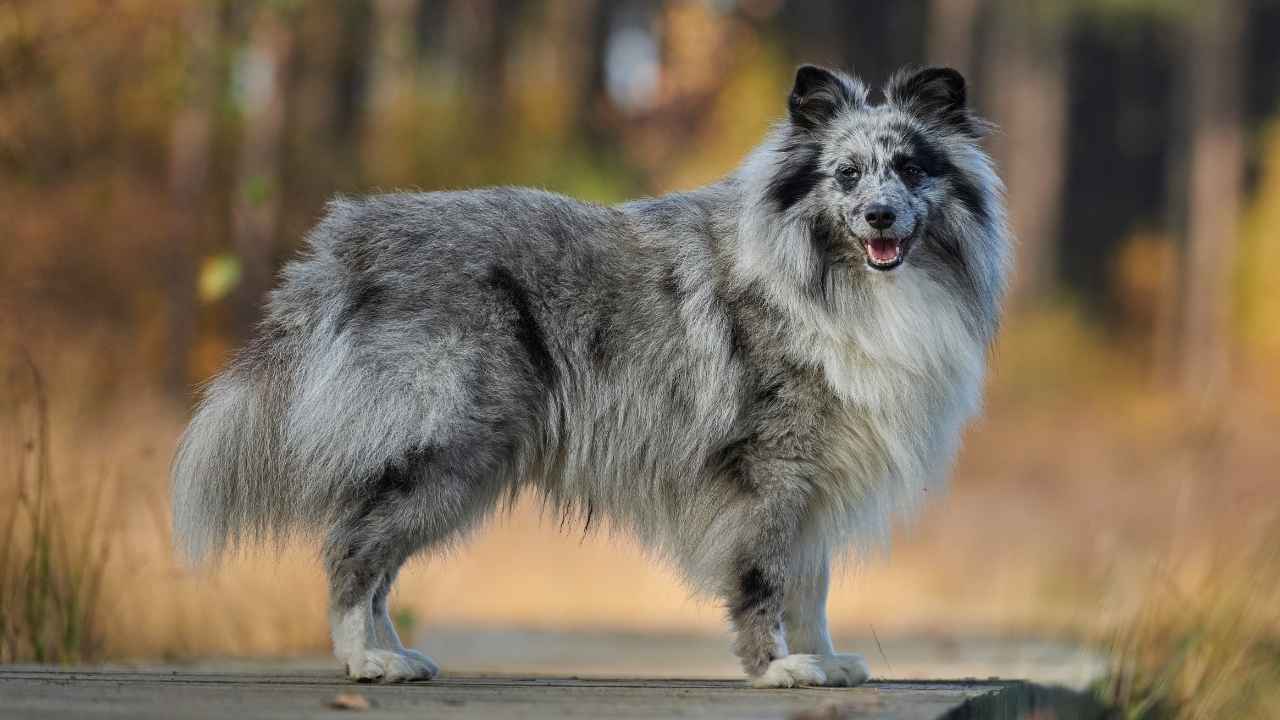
[{"x": 52, "y": 564}]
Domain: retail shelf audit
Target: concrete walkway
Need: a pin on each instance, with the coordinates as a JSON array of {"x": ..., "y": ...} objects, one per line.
[{"x": 171, "y": 692}]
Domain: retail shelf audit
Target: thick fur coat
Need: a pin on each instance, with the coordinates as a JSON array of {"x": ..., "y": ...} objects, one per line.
[{"x": 748, "y": 377}]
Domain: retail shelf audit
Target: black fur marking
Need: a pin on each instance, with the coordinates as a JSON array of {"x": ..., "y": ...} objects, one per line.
[
  {"x": 936, "y": 163},
  {"x": 932, "y": 160},
  {"x": 671, "y": 285},
  {"x": 737, "y": 335},
  {"x": 754, "y": 591},
  {"x": 903, "y": 164},
  {"x": 798, "y": 174},
  {"x": 352, "y": 577},
  {"x": 404, "y": 475},
  {"x": 735, "y": 332},
  {"x": 365, "y": 294},
  {"x": 729, "y": 458},
  {"x": 769, "y": 390},
  {"x": 397, "y": 480},
  {"x": 953, "y": 257},
  {"x": 823, "y": 235},
  {"x": 599, "y": 343},
  {"x": 967, "y": 192},
  {"x": 528, "y": 331}
]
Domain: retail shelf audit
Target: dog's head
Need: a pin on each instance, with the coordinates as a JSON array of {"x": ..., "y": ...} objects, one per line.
[{"x": 894, "y": 183}]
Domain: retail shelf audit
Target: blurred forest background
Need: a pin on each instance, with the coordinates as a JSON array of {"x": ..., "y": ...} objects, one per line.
[{"x": 159, "y": 161}]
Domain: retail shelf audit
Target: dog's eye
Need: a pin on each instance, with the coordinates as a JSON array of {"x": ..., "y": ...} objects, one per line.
[
  {"x": 913, "y": 172},
  {"x": 849, "y": 173}
]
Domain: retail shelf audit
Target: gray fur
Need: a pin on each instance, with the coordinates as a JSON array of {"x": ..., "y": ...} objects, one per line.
[{"x": 719, "y": 372}]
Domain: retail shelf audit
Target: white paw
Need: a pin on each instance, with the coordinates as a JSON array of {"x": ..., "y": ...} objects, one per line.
[
  {"x": 792, "y": 671},
  {"x": 799, "y": 670},
  {"x": 391, "y": 666},
  {"x": 845, "y": 669}
]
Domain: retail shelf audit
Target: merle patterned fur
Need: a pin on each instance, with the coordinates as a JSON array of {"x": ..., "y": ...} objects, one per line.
[{"x": 723, "y": 373}]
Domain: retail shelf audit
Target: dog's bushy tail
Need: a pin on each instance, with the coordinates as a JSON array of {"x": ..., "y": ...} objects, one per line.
[
  {"x": 229, "y": 479},
  {"x": 282, "y": 439}
]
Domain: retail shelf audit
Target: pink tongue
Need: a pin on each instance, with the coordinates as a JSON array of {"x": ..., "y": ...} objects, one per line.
[{"x": 883, "y": 250}]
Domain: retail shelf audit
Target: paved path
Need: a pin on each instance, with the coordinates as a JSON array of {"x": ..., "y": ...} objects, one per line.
[{"x": 168, "y": 692}]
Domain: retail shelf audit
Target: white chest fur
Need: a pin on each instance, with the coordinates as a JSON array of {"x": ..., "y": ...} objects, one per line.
[{"x": 908, "y": 372}]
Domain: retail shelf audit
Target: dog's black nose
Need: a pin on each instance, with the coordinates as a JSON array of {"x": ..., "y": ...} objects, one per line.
[{"x": 880, "y": 217}]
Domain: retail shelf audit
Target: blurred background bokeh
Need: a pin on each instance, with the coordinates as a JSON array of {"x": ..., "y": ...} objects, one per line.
[{"x": 160, "y": 159}]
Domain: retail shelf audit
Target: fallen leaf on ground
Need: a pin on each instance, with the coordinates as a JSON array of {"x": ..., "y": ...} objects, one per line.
[{"x": 349, "y": 701}]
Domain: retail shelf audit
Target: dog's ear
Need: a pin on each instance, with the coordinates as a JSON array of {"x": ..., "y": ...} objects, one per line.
[
  {"x": 934, "y": 94},
  {"x": 820, "y": 94}
]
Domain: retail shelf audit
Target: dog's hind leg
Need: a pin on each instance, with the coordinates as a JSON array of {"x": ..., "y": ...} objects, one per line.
[
  {"x": 410, "y": 508},
  {"x": 383, "y": 626},
  {"x": 360, "y": 567}
]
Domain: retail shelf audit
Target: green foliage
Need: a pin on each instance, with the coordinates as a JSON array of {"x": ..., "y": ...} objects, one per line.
[
  {"x": 406, "y": 622},
  {"x": 258, "y": 190},
  {"x": 218, "y": 276}
]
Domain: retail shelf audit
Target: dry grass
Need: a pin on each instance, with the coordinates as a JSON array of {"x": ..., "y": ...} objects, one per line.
[
  {"x": 51, "y": 573},
  {"x": 1205, "y": 642}
]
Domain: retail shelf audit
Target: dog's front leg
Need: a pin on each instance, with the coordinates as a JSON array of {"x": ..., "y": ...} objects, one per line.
[
  {"x": 775, "y": 577},
  {"x": 777, "y": 495},
  {"x": 804, "y": 617},
  {"x": 755, "y": 600},
  {"x": 804, "y": 620}
]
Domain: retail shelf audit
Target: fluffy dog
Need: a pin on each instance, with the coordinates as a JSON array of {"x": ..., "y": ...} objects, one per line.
[{"x": 749, "y": 377}]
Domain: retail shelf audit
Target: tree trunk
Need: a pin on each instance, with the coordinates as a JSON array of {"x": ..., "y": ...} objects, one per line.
[
  {"x": 256, "y": 209},
  {"x": 189, "y": 151},
  {"x": 1214, "y": 192},
  {"x": 392, "y": 80},
  {"x": 391, "y": 66},
  {"x": 574, "y": 29},
  {"x": 1166, "y": 340},
  {"x": 479, "y": 37},
  {"x": 950, "y": 27},
  {"x": 1028, "y": 85}
]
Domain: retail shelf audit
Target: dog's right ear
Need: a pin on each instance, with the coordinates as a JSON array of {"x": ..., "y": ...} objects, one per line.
[{"x": 821, "y": 94}]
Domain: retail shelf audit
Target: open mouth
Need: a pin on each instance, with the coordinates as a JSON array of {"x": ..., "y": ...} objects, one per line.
[{"x": 885, "y": 253}]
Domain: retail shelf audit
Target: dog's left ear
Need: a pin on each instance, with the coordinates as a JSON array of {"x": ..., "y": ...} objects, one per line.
[{"x": 935, "y": 94}]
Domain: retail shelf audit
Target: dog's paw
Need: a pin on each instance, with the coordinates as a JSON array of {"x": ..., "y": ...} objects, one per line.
[
  {"x": 391, "y": 666},
  {"x": 801, "y": 670},
  {"x": 845, "y": 670},
  {"x": 792, "y": 671}
]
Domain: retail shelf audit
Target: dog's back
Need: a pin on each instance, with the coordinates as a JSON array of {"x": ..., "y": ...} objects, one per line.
[{"x": 413, "y": 324}]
